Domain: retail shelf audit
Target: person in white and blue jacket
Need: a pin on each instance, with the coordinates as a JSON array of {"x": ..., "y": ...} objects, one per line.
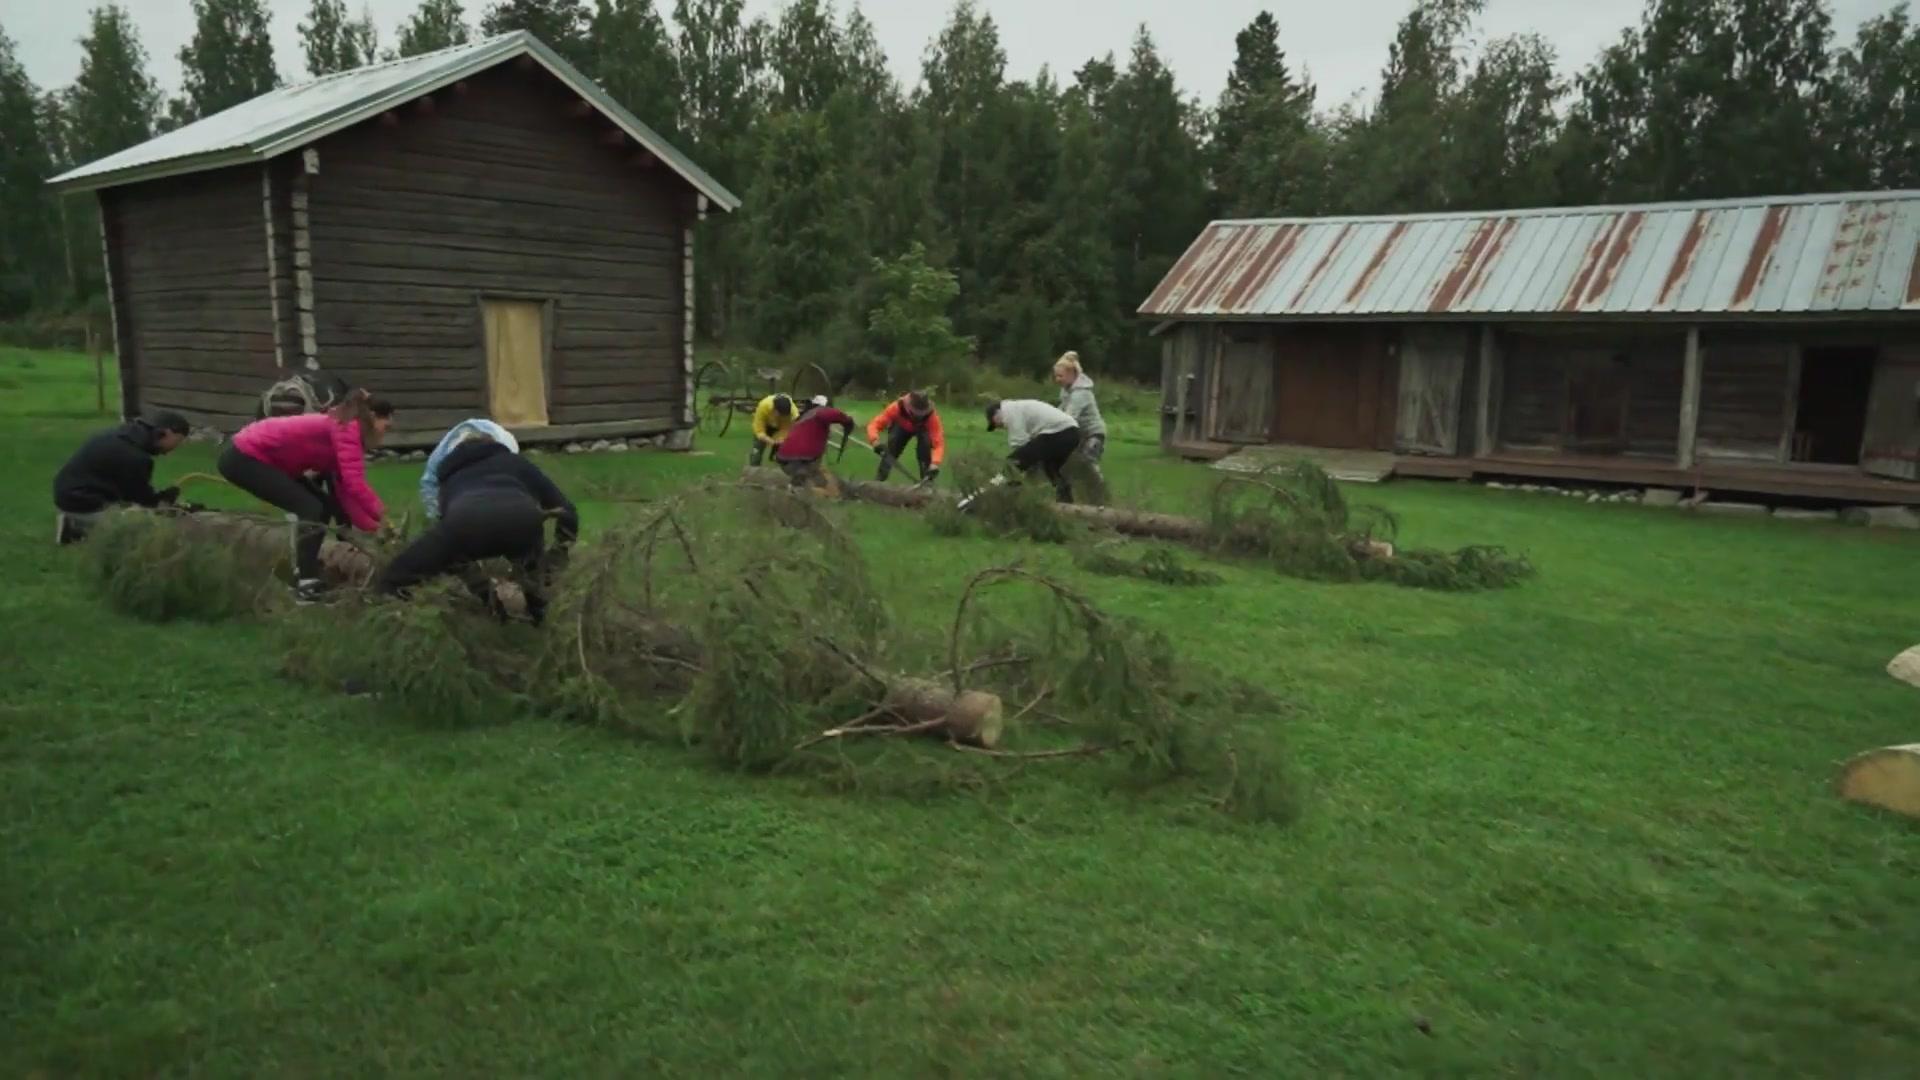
[{"x": 430, "y": 479}]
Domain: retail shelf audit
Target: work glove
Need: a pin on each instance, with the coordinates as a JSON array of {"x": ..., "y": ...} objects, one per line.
[
  {"x": 166, "y": 496},
  {"x": 931, "y": 475}
]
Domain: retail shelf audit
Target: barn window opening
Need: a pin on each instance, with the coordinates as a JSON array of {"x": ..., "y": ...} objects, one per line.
[{"x": 1831, "y": 416}]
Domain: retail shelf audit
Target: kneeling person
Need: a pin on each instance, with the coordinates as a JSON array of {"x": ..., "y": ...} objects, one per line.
[
  {"x": 493, "y": 504},
  {"x": 910, "y": 419},
  {"x": 114, "y": 468},
  {"x": 800, "y": 453}
]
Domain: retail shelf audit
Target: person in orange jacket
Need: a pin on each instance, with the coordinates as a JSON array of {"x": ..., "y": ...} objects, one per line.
[{"x": 910, "y": 418}]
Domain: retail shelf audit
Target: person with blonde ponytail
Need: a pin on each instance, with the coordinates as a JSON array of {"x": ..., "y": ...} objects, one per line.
[
  {"x": 1076, "y": 400},
  {"x": 272, "y": 459}
]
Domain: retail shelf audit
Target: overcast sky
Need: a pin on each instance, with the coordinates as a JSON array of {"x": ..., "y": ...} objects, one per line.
[{"x": 1342, "y": 42}]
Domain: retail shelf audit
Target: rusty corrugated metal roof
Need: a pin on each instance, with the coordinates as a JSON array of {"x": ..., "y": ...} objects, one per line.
[{"x": 1815, "y": 255}]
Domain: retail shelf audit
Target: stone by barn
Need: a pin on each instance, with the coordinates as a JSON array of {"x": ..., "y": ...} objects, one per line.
[
  {"x": 1764, "y": 346},
  {"x": 478, "y": 231}
]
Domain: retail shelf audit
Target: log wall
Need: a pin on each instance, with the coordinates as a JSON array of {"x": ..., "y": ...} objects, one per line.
[
  {"x": 194, "y": 312},
  {"x": 504, "y": 189},
  {"x": 1630, "y": 386},
  {"x": 1746, "y": 399}
]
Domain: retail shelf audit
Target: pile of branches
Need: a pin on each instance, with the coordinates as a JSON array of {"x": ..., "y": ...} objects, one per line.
[
  {"x": 743, "y": 622},
  {"x": 1296, "y": 518},
  {"x": 154, "y": 566},
  {"x": 166, "y": 564},
  {"x": 1019, "y": 510},
  {"x": 1293, "y": 517},
  {"x": 1156, "y": 564}
]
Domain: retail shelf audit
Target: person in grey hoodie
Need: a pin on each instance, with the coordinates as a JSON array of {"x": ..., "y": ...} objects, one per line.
[
  {"x": 1039, "y": 436},
  {"x": 1076, "y": 400}
]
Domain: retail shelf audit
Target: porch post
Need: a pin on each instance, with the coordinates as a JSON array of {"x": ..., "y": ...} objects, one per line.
[
  {"x": 1690, "y": 400},
  {"x": 1485, "y": 426}
]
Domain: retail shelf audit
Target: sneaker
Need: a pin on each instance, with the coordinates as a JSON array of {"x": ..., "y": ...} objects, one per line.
[{"x": 311, "y": 591}]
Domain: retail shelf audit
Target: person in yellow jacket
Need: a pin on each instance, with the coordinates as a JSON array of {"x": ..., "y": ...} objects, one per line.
[{"x": 772, "y": 419}]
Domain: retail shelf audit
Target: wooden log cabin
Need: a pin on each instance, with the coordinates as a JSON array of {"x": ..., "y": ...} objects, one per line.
[
  {"x": 1755, "y": 346},
  {"x": 478, "y": 231}
]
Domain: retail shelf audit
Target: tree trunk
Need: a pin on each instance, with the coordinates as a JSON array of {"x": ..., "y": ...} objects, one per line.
[
  {"x": 341, "y": 563},
  {"x": 1144, "y": 523},
  {"x": 972, "y": 716}
]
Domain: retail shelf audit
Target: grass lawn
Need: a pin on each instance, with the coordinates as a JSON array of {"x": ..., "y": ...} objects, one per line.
[{"x": 1581, "y": 827}]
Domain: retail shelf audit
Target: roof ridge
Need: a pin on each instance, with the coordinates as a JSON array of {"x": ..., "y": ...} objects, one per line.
[
  {"x": 397, "y": 61},
  {"x": 1889, "y": 195}
]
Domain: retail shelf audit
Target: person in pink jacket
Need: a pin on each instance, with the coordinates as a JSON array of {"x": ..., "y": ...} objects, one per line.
[{"x": 272, "y": 458}]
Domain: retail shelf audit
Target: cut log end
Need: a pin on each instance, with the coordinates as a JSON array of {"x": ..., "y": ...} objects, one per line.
[
  {"x": 1888, "y": 778},
  {"x": 973, "y": 716},
  {"x": 1906, "y": 666}
]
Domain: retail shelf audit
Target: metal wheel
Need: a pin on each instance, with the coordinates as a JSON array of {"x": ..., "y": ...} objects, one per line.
[
  {"x": 712, "y": 398},
  {"x": 808, "y": 380}
]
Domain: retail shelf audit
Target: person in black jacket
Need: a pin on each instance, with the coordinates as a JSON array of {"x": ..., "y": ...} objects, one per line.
[
  {"x": 115, "y": 468},
  {"x": 493, "y": 504}
]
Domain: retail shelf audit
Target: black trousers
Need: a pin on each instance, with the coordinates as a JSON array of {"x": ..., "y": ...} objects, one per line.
[
  {"x": 897, "y": 440},
  {"x": 483, "y": 525},
  {"x": 311, "y": 505},
  {"x": 1050, "y": 453}
]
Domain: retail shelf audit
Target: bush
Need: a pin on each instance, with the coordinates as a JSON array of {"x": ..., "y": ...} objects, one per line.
[{"x": 909, "y": 324}]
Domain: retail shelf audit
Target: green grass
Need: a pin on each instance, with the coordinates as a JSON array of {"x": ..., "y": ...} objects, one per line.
[{"x": 1583, "y": 827}]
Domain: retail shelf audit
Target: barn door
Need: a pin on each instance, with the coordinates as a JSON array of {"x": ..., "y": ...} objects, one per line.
[
  {"x": 1243, "y": 392},
  {"x": 1891, "y": 446},
  {"x": 1181, "y": 380},
  {"x": 1433, "y": 366},
  {"x": 1597, "y": 400},
  {"x": 516, "y": 362}
]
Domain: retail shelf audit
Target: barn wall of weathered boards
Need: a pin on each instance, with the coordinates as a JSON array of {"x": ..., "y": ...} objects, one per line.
[
  {"x": 473, "y": 232},
  {"x": 419, "y": 225},
  {"x": 1765, "y": 346},
  {"x": 187, "y": 266}
]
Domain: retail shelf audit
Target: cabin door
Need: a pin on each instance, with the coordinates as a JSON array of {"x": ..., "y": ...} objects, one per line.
[
  {"x": 1243, "y": 391},
  {"x": 516, "y": 333},
  {"x": 1892, "y": 443},
  {"x": 1433, "y": 364}
]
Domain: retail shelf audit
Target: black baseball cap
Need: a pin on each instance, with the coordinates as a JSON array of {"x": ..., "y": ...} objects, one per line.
[{"x": 168, "y": 420}]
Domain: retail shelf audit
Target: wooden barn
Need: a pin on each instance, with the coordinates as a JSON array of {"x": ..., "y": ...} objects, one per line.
[
  {"x": 1764, "y": 346},
  {"x": 479, "y": 231}
]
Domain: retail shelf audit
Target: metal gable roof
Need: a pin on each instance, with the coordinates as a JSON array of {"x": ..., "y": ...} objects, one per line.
[
  {"x": 292, "y": 116},
  {"x": 1814, "y": 255}
]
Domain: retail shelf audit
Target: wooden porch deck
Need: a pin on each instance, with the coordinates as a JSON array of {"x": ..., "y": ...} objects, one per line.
[
  {"x": 1838, "y": 482},
  {"x": 1841, "y": 483}
]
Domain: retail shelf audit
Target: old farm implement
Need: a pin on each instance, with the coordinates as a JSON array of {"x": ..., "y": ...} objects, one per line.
[{"x": 720, "y": 390}]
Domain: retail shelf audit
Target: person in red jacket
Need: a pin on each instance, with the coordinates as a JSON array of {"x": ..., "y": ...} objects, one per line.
[
  {"x": 910, "y": 418},
  {"x": 806, "y": 442},
  {"x": 272, "y": 458}
]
